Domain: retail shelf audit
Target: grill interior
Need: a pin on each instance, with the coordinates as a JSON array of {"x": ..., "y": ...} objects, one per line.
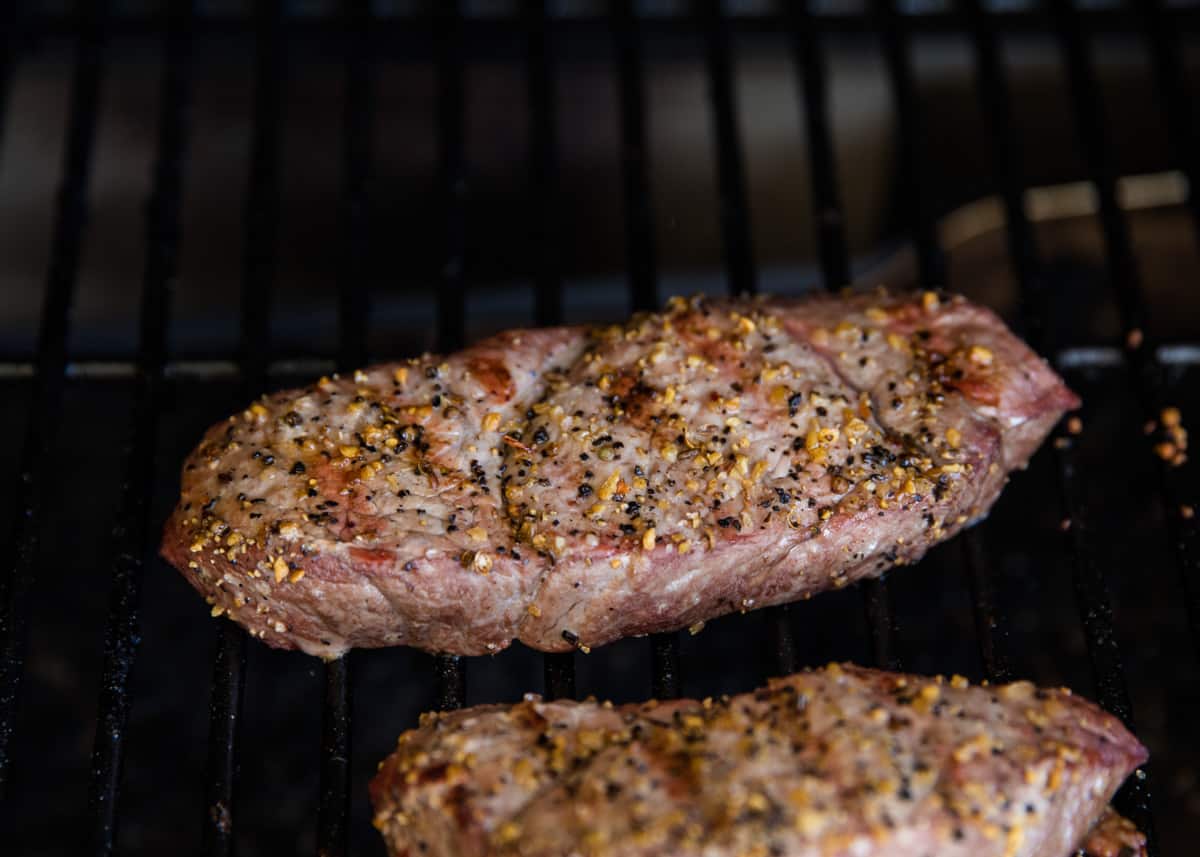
[{"x": 324, "y": 185}]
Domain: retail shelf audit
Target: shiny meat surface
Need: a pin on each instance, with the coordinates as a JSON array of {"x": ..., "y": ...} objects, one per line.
[
  {"x": 571, "y": 486},
  {"x": 839, "y": 762}
]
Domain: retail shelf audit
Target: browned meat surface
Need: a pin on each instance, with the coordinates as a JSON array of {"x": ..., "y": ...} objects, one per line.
[
  {"x": 571, "y": 486},
  {"x": 840, "y": 762},
  {"x": 1114, "y": 836}
]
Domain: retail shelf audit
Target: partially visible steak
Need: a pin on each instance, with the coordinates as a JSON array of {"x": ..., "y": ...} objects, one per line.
[
  {"x": 570, "y": 486},
  {"x": 839, "y": 762},
  {"x": 1114, "y": 836}
]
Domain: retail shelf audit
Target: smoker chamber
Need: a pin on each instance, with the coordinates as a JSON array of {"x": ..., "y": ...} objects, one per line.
[{"x": 129, "y": 724}]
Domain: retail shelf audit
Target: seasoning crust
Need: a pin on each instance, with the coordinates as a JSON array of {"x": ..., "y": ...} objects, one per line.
[
  {"x": 572, "y": 486},
  {"x": 830, "y": 763}
]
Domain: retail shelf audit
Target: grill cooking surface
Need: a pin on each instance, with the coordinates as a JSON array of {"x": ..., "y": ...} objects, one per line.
[{"x": 129, "y": 724}]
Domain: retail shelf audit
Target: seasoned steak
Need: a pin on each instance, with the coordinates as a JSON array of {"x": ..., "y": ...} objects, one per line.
[
  {"x": 1114, "y": 836},
  {"x": 839, "y": 762},
  {"x": 570, "y": 486}
]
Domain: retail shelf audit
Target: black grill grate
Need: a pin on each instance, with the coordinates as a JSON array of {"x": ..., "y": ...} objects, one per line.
[{"x": 362, "y": 34}]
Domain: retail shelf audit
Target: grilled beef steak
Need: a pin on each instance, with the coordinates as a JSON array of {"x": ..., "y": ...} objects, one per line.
[
  {"x": 1114, "y": 836},
  {"x": 840, "y": 762},
  {"x": 570, "y": 486}
]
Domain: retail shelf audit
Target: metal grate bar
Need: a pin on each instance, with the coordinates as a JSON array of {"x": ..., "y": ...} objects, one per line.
[
  {"x": 881, "y": 620},
  {"x": 835, "y": 264},
  {"x": 635, "y": 160},
  {"x": 224, "y": 712},
  {"x": 449, "y": 670},
  {"x": 66, "y": 245},
  {"x": 543, "y": 166},
  {"x": 732, "y": 204},
  {"x": 357, "y": 165},
  {"x": 132, "y": 525},
  {"x": 258, "y": 270},
  {"x": 1146, "y": 372},
  {"x": 665, "y": 680},
  {"x": 558, "y": 668},
  {"x": 931, "y": 265},
  {"x": 640, "y": 251},
  {"x": 450, "y": 682},
  {"x": 827, "y": 203},
  {"x": 262, "y": 199},
  {"x": 1122, "y": 267},
  {"x": 1178, "y": 105},
  {"x": 1088, "y": 581},
  {"x": 990, "y": 625},
  {"x": 452, "y": 169},
  {"x": 354, "y": 312},
  {"x": 734, "y": 212},
  {"x": 334, "y": 806},
  {"x": 782, "y": 640},
  {"x": 997, "y": 113},
  {"x": 1085, "y": 96},
  {"x": 1095, "y": 610},
  {"x": 1178, "y": 111},
  {"x": 897, "y": 55}
]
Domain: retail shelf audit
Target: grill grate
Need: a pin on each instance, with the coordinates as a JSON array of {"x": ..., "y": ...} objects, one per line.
[
  {"x": 66, "y": 245},
  {"x": 362, "y": 34}
]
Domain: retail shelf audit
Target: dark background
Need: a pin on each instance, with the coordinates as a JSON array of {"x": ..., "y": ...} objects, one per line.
[{"x": 162, "y": 795}]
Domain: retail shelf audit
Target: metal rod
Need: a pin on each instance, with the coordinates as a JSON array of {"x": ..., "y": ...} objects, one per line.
[
  {"x": 1095, "y": 611},
  {"x": 827, "y": 203},
  {"x": 452, "y": 169},
  {"x": 1091, "y": 592},
  {"x": 66, "y": 245},
  {"x": 734, "y": 211},
  {"x": 354, "y": 311},
  {"x": 997, "y": 111},
  {"x": 449, "y": 670},
  {"x": 559, "y": 675},
  {"x": 835, "y": 271},
  {"x": 733, "y": 207},
  {"x": 1179, "y": 115},
  {"x": 665, "y": 680},
  {"x": 1146, "y": 372},
  {"x": 334, "y": 806},
  {"x": 931, "y": 266},
  {"x": 262, "y": 199},
  {"x": 782, "y": 640},
  {"x": 640, "y": 250},
  {"x": 132, "y": 525},
  {"x": 1089, "y": 120},
  {"x": 258, "y": 271},
  {"x": 357, "y": 167},
  {"x": 544, "y": 240},
  {"x": 881, "y": 622},
  {"x": 450, "y": 679},
  {"x": 224, "y": 712},
  {"x": 543, "y": 167},
  {"x": 1178, "y": 105},
  {"x": 897, "y": 55},
  {"x": 991, "y": 625}
]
